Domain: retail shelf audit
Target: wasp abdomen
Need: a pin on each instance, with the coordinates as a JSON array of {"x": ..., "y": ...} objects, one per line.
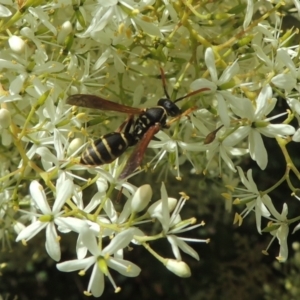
[{"x": 107, "y": 148}]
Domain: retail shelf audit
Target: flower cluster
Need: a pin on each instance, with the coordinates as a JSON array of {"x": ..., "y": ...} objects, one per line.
[
  {"x": 118, "y": 231},
  {"x": 236, "y": 85}
]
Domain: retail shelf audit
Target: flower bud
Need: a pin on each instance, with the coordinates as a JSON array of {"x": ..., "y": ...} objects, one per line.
[
  {"x": 74, "y": 145},
  {"x": 16, "y": 44},
  {"x": 5, "y": 118},
  {"x": 66, "y": 29},
  {"x": 179, "y": 268},
  {"x": 141, "y": 198}
]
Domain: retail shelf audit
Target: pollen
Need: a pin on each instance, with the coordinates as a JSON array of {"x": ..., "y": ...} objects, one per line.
[{"x": 184, "y": 195}]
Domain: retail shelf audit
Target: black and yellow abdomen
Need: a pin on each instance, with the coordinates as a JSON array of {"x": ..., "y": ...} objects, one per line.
[{"x": 107, "y": 148}]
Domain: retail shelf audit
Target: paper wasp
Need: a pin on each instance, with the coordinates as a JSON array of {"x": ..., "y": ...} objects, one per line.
[{"x": 137, "y": 132}]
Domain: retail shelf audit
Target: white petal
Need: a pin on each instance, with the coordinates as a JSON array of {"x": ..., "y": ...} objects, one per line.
[
  {"x": 273, "y": 130},
  {"x": 81, "y": 250},
  {"x": 229, "y": 72},
  {"x": 203, "y": 83},
  {"x": 52, "y": 242},
  {"x": 99, "y": 21},
  {"x": 249, "y": 13},
  {"x": 296, "y": 136},
  {"x": 96, "y": 283},
  {"x": 269, "y": 204},
  {"x": 237, "y": 136},
  {"x": 249, "y": 184},
  {"x": 222, "y": 110},
  {"x": 76, "y": 264},
  {"x": 49, "y": 67},
  {"x": 39, "y": 197},
  {"x": 58, "y": 144},
  {"x": 151, "y": 29},
  {"x": 110, "y": 210},
  {"x": 42, "y": 16},
  {"x": 102, "y": 59},
  {"x": 173, "y": 242},
  {"x": 30, "y": 231},
  {"x": 284, "y": 81},
  {"x": 260, "y": 210},
  {"x": 282, "y": 234},
  {"x": 120, "y": 241},
  {"x": 264, "y": 103},
  {"x": 210, "y": 63},
  {"x": 124, "y": 267},
  {"x": 11, "y": 66},
  {"x": 297, "y": 5},
  {"x": 4, "y": 11},
  {"x": 296, "y": 228},
  {"x": 283, "y": 56},
  {"x": 47, "y": 157},
  {"x": 70, "y": 223},
  {"x": 261, "y": 55},
  {"x": 155, "y": 210},
  {"x": 187, "y": 249},
  {"x": 64, "y": 189},
  {"x": 257, "y": 149},
  {"x": 165, "y": 221},
  {"x": 89, "y": 240},
  {"x": 227, "y": 159},
  {"x": 242, "y": 107}
]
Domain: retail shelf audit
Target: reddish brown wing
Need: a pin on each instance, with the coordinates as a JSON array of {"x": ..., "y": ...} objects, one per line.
[
  {"x": 92, "y": 101},
  {"x": 137, "y": 155}
]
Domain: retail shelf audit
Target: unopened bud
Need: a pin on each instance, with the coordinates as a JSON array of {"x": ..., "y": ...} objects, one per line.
[
  {"x": 179, "y": 268},
  {"x": 66, "y": 29},
  {"x": 74, "y": 145},
  {"x": 16, "y": 44},
  {"x": 141, "y": 198},
  {"x": 5, "y": 118}
]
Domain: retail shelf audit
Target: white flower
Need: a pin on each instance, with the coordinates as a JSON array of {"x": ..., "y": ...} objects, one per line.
[
  {"x": 48, "y": 218},
  {"x": 173, "y": 225},
  {"x": 283, "y": 80},
  {"x": 255, "y": 124},
  {"x": 169, "y": 145},
  {"x": 251, "y": 198},
  {"x": 281, "y": 231},
  {"x": 216, "y": 83},
  {"x": 102, "y": 260}
]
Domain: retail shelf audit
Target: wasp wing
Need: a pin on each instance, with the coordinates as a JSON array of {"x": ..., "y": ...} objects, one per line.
[
  {"x": 137, "y": 155},
  {"x": 92, "y": 101}
]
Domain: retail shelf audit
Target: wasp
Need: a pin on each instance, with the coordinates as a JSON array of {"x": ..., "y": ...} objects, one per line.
[{"x": 138, "y": 132}]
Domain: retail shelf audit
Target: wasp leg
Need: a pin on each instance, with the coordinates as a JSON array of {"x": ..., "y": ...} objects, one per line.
[{"x": 137, "y": 155}]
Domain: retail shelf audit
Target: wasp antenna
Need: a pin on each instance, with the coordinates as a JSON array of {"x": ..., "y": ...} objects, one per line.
[
  {"x": 163, "y": 79},
  {"x": 192, "y": 93}
]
